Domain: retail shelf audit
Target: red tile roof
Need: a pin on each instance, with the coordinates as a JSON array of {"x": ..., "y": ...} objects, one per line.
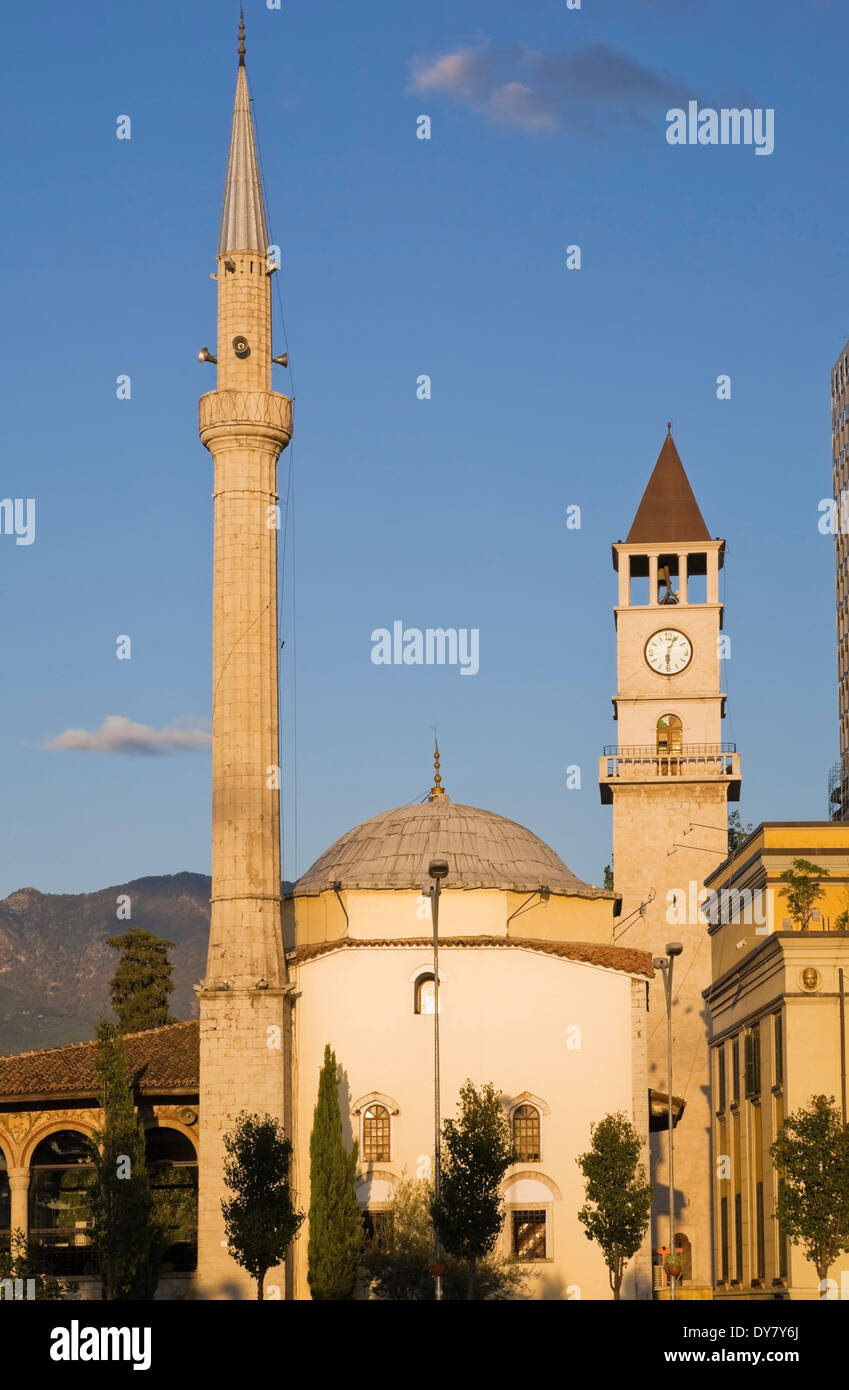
[
  {"x": 621, "y": 958},
  {"x": 160, "y": 1060}
]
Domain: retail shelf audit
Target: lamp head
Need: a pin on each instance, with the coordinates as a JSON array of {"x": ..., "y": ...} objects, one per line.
[
  {"x": 438, "y": 869},
  {"x": 674, "y": 948}
]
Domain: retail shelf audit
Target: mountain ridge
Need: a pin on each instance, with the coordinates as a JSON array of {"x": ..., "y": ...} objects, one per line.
[{"x": 55, "y": 966}]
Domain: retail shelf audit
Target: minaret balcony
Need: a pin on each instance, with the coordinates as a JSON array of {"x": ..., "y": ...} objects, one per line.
[
  {"x": 690, "y": 762},
  {"x": 233, "y": 411}
]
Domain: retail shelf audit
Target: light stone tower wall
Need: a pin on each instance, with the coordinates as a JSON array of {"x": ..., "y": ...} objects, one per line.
[{"x": 243, "y": 1007}]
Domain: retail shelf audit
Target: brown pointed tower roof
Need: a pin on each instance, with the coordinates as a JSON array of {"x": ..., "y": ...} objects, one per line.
[{"x": 668, "y": 511}]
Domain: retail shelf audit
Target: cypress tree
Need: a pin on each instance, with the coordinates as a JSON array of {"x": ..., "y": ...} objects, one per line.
[
  {"x": 127, "y": 1237},
  {"x": 336, "y": 1225},
  {"x": 142, "y": 981}
]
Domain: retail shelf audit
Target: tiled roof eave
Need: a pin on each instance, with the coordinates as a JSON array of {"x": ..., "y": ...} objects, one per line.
[
  {"x": 10, "y": 1099},
  {"x": 621, "y": 960}
]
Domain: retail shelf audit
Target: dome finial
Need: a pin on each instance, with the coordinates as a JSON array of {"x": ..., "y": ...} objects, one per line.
[
  {"x": 241, "y": 38},
  {"x": 437, "y": 789}
]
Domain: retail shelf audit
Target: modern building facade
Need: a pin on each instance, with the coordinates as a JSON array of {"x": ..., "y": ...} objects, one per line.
[
  {"x": 838, "y": 789},
  {"x": 777, "y": 1038}
]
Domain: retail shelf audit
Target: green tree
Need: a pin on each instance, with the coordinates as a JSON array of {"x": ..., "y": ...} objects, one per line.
[
  {"x": 608, "y": 877},
  {"x": 399, "y": 1261},
  {"x": 336, "y": 1224},
  {"x": 737, "y": 831},
  {"x": 127, "y": 1237},
  {"x": 811, "y": 1154},
  {"x": 142, "y": 981},
  {"x": 25, "y": 1260},
  {"x": 618, "y": 1206},
  {"x": 260, "y": 1218},
  {"x": 477, "y": 1151},
  {"x": 804, "y": 889}
]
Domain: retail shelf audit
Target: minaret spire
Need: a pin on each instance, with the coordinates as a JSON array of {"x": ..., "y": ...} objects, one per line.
[{"x": 243, "y": 224}]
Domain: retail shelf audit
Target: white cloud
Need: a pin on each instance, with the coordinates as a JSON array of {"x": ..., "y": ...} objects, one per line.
[
  {"x": 119, "y": 735},
  {"x": 535, "y": 91}
]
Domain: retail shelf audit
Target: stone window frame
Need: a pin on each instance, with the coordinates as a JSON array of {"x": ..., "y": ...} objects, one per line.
[
  {"x": 359, "y": 1108},
  {"x": 530, "y": 1174},
  {"x": 542, "y": 1108}
]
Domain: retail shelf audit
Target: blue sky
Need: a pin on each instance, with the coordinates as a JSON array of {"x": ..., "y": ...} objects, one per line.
[{"x": 550, "y": 388}]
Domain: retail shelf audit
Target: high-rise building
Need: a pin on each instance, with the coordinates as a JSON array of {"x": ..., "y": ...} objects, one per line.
[
  {"x": 669, "y": 779},
  {"x": 839, "y": 780}
]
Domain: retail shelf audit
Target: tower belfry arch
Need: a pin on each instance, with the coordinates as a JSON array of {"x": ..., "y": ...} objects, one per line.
[{"x": 245, "y": 426}]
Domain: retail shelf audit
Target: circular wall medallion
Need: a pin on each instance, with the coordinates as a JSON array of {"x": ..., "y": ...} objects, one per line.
[{"x": 810, "y": 979}]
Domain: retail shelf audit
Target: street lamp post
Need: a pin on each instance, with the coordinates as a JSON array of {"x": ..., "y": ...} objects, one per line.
[
  {"x": 437, "y": 870},
  {"x": 665, "y": 965}
]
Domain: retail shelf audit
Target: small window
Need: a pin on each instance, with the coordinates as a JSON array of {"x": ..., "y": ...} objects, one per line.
[
  {"x": 720, "y": 1076},
  {"x": 752, "y": 1061},
  {"x": 376, "y": 1134},
  {"x": 526, "y": 1134},
  {"x": 529, "y": 1235},
  {"x": 425, "y": 993},
  {"x": 377, "y": 1229},
  {"x": 779, "y": 1049},
  {"x": 735, "y": 1071}
]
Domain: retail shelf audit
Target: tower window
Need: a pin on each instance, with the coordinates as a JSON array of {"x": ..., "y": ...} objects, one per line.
[
  {"x": 526, "y": 1134},
  {"x": 376, "y": 1134},
  {"x": 670, "y": 736}
]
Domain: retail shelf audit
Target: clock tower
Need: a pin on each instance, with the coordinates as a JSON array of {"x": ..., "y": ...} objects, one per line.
[{"x": 669, "y": 779}]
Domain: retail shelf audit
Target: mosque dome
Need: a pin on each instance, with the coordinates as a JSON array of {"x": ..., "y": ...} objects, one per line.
[{"x": 483, "y": 850}]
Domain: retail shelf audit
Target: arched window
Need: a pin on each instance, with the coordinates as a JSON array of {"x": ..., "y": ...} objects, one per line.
[
  {"x": 526, "y": 1134},
  {"x": 376, "y": 1134},
  {"x": 425, "y": 994},
  {"x": 670, "y": 736},
  {"x": 5, "y": 1206},
  {"x": 173, "y": 1167},
  {"x": 59, "y": 1212}
]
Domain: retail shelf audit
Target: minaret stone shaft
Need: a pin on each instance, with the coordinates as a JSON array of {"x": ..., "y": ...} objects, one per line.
[{"x": 245, "y": 426}]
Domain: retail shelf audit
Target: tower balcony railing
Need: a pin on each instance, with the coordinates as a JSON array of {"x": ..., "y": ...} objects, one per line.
[{"x": 646, "y": 762}]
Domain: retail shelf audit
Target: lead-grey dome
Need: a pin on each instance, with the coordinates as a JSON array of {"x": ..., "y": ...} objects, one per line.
[{"x": 484, "y": 850}]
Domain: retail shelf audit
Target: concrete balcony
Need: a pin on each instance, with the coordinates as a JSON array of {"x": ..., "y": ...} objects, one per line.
[{"x": 692, "y": 762}]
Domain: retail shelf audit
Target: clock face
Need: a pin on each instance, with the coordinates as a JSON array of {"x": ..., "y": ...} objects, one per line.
[{"x": 668, "y": 652}]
